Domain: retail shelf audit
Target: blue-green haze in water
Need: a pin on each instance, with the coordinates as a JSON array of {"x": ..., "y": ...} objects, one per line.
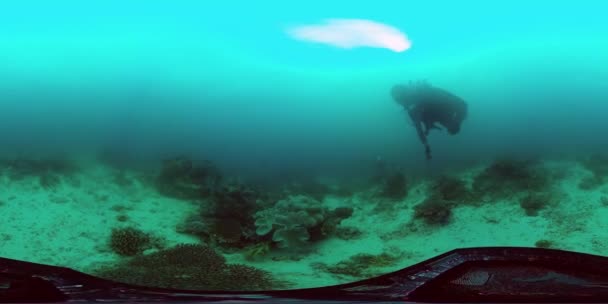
[{"x": 224, "y": 80}]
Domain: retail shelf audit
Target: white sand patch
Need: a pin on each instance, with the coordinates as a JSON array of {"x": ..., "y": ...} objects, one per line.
[{"x": 70, "y": 225}]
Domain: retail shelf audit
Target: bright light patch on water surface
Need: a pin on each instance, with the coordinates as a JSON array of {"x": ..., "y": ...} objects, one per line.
[{"x": 352, "y": 33}]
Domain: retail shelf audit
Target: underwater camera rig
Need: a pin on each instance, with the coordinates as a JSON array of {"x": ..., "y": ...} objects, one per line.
[{"x": 473, "y": 275}]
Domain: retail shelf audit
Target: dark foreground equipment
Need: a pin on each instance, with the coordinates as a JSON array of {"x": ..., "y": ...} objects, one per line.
[{"x": 473, "y": 275}]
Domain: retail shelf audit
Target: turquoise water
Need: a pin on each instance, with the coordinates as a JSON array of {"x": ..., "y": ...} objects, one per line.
[{"x": 145, "y": 81}]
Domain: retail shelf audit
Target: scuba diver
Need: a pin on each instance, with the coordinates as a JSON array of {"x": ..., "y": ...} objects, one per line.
[{"x": 427, "y": 106}]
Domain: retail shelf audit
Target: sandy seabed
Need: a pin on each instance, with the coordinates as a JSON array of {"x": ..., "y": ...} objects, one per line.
[{"x": 70, "y": 223}]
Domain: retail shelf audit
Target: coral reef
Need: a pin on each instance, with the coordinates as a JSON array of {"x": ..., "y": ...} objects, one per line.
[
  {"x": 434, "y": 211},
  {"x": 348, "y": 233},
  {"x": 329, "y": 226},
  {"x": 182, "y": 179},
  {"x": 360, "y": 265},
  {"x": 234, "y": 215},
  {"x": 195, "y": 225},
  {"x": 543, "y": 244},
  {"x": 227, "y": 231},
  {"x": 290, "y": 219},
  {"x": 451, "y": 189},
  {"x": 122, "y": 217},
  {"x": 257, "y": 251},
  {"x": 534, "y": 202},
  {"x": 129, "y": 241},
  {"x": 505, "y": 177},
  {"x": 298, "y": 220},
  {"x": 226, "y": 217},
  {"x": 192, "y": 267},
  {"x": 234, "y": 201}
]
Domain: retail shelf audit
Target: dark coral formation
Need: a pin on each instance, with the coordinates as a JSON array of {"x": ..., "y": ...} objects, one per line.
[
  {"x": 445, "y": 194},
  {"x": 297, "y": 221},
  {"x": 434, "y": 211},
  {"x": 226, "y": 218},
  {"x": 360, "y": 265},
  {"x": 237, "y": 216},
  {"x": 195, "y": 225},
  {"x": 236, "y": 202},
  {"x": 451, "y": 189},
  {"x": 505, "y": 177},
  {"x": 129, "y": 241},
  {"x": 330, "y": 224},
  {"x": 183, "y": 179},
  {"x": 348, "y": 233},
  {"x": 190, "y": 267},
  {"x": 228, "y": 231},
  {"x": 122, "y": 217},
  {"x": 543, "y": 244},
  {"x": 257, "y": 251},
  {"x": 533, "y": 203}
]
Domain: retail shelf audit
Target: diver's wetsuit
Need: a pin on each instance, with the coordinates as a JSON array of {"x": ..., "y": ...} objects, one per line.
[{"x": 433, "y": 105}]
